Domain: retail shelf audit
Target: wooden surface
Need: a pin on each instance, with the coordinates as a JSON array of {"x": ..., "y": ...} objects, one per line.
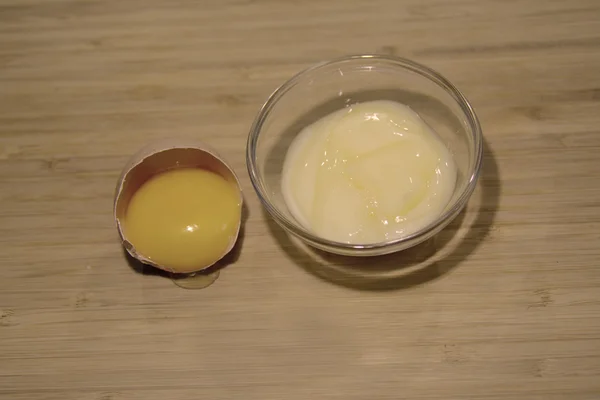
[{"x": 504, "y": 304}]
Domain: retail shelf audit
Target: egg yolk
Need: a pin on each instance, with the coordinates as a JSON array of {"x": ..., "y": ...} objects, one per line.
[{"x": 183, "y": 219}]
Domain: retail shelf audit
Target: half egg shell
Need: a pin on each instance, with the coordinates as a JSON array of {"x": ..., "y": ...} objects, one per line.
[{"x": 160, "y": 157}]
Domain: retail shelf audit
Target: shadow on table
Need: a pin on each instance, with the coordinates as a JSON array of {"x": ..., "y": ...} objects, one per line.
[
  {"x": 412, "y": 267},
  {"x": 213, "y": 270}
]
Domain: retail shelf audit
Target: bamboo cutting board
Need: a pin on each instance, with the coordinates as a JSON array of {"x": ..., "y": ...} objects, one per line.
[{"x": 503, "y": 304}]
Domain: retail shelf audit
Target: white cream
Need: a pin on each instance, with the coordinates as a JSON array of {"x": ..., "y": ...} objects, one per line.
[{"x": 368, "y": 173}]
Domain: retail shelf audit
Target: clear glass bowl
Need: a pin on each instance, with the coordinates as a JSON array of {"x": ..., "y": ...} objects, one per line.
[{"x": 329, "y": 86}]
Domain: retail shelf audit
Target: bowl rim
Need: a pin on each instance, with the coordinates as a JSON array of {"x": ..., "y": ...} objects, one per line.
[{"x": 403, "y": 63}]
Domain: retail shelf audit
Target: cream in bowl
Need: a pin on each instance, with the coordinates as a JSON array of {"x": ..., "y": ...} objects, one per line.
[{"x": 367, "y": 173}]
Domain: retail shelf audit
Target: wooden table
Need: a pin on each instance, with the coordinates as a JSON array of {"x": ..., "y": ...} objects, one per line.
[{"x": 504, "y": 304}]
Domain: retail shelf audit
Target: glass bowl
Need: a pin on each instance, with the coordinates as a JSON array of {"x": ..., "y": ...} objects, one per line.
[{"x": 332, "y": 85}]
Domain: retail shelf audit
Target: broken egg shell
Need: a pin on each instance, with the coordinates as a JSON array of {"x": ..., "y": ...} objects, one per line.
[{"x": 160, "y": 157}]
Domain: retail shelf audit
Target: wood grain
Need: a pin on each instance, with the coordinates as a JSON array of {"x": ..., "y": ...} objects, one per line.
[{"x": 504, "y": 304}]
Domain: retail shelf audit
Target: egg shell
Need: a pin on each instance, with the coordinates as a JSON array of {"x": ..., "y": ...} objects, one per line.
[{"x": 159, "y": 157}]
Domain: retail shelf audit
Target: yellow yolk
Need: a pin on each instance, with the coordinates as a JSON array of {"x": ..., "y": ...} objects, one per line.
[{"x": 183, "y": 219}]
